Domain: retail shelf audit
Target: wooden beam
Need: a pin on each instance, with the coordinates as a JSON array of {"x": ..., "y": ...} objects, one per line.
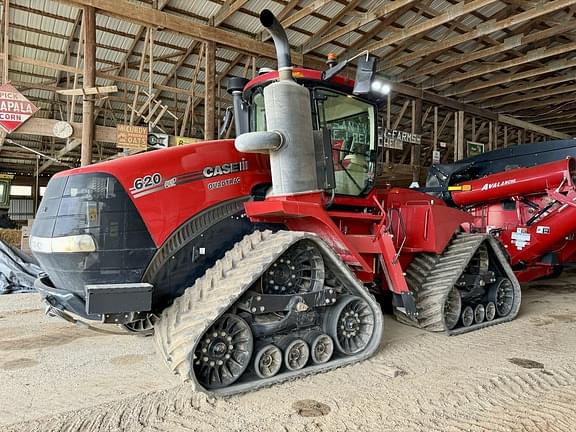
[
  {"x": 530, "y": 56},
  {"x": 44, "y": 127},
  {"x": 209, "y": 92},
  {"x": 334, "y": 21},
  {"x": 88, "y": 91},
  {"x": 70, "y": 145},
  {"x": 531, "y": 127},
  {"x": 486, "y": 28},
  {"x": 507, "y": 44},
  {"x": 520, "y": 88},
  {"x": 89, "y": 17},
  {"x": 136, "y": 12},
  {"x": 552, "y": 66},
  {"x": 227, "y": 9},
  {"x": 538, "y": 104},
  {"x": 449, "y": 14},
  {"x": 304, "y": 12},
  {"x": 530, "y": 96},
  {"x": 356, "y": 23}
]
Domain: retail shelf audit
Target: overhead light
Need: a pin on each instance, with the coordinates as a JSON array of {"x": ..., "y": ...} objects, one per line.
[{"x": 380, "y": 87}]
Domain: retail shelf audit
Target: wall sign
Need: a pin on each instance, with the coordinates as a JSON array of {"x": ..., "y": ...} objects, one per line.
[
  {"x": 15, "y": 109},
  {"x": 395, "y": 139},
  {"x": 132, "y": 137}
]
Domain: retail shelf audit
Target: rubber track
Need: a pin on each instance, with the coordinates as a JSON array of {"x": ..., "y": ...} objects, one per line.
[
  {"x": 431, "y": 277},
  {"x": 183, "y": 324}
]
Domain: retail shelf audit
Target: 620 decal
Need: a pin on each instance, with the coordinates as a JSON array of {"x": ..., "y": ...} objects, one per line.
[{"x": 147, "y": 181}]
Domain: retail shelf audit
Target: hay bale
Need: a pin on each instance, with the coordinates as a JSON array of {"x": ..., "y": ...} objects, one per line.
[{"x": 11, "y": 236}]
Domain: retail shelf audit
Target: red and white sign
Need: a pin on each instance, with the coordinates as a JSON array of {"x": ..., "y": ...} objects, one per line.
[{"x": 15, "y": 109}]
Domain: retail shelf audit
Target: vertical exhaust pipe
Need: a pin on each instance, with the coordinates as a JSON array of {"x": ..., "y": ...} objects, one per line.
[
  {"x": 289, "y": 139},
  {"x": 269, "y": 21}
]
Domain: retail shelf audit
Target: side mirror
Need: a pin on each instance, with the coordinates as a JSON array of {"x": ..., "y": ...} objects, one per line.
[{"x": 364, "y": 74}]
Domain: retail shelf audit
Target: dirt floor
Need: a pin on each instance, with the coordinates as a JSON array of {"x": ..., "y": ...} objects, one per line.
[{"x": 519, "y": 376}]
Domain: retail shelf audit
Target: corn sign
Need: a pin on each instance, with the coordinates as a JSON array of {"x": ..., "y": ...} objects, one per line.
[{"x": 15, "y": 109}]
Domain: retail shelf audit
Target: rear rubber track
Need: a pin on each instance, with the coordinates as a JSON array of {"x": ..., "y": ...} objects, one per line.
[
  {"x": 183, "y": 324},
  {"x": 431, "y": 277}
]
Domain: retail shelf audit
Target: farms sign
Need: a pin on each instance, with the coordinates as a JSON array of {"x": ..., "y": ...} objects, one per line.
[
  {"x": 15, "y": 109},
  {"x": 395, "y": 139}
]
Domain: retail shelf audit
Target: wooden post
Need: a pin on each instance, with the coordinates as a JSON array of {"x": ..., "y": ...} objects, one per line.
[
  {"x": 209, "y": 90},
  {"x": 459, "y": 136},
  {"x": 89, "y": 81},
  {"x": 6, "y": 39},
  {"x": 416, "y": 148},
  {"x": 435, "y": 138},
  {"x": 388, "y": 122}
]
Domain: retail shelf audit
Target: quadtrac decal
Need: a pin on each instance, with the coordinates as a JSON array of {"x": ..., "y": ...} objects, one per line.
[{"x": 152, "y": 183}]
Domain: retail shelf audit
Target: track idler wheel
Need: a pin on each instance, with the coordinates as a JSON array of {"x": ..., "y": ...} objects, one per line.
[
  {"x": 224, "y": 352},
  {"x": 452, "y": 308},
  {"x": 351, "y": 324},
  {"x": 468, "y": 316},
  {"x": 142, "y": 325},
  {"x": 268, "y": 361},
  {"x": 502, "y": 294},
  {"x": 321, "y": 347},
  {"x": 296, "y": 354}
]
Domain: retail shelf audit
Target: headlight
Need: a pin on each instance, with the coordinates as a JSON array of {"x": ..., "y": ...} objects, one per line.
[{"x": 75, "y": 243}]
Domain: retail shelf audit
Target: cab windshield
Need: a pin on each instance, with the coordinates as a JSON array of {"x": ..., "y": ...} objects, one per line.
[{"x": 352, "y": 125}]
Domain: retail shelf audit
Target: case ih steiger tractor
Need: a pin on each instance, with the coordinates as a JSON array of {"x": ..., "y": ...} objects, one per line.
[
  {"x": 524, "y": 196},
  {"x": 254, "y": 259}
]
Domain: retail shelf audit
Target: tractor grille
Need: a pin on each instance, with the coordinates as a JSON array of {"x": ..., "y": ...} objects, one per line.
[{"x": 94, "y": 204}]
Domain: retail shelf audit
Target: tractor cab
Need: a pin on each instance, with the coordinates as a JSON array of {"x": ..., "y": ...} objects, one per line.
[{"x": 351, "y": 121}]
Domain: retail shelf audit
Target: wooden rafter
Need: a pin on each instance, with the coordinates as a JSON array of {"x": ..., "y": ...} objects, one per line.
[{"x": 486, "y": 28}]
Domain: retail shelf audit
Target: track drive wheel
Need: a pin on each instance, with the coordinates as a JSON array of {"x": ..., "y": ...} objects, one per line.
[{"x": 351, "y": 324}]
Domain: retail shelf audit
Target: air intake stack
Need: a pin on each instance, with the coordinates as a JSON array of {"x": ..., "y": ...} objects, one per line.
[{"x": 289, "y": 138}]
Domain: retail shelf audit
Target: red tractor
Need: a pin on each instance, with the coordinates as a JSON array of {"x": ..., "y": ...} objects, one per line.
[
  {"x": 253, "y": 259},
  {"x": 528, "y": 205}
]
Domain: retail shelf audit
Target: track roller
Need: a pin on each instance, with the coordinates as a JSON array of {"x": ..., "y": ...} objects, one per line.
[
  {"x": 268, "y": 361},
  {"x": 321, "y": 347},
  {"x": 296, "y": 354},
  {"x": 479, "y": 313},
  {"x": 490, "y": 311},
  {"x": 468, "y": 316}
]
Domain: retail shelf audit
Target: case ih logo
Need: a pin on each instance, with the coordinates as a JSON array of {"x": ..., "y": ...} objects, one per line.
[
  {"x": 488, "y": 186},
  {"x": 15, "y": 109}
]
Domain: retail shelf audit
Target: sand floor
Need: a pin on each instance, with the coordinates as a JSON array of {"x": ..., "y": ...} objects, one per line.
[{"x": 519, "y": 376}]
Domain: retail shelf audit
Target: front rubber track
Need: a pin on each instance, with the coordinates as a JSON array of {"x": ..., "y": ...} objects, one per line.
[{"x": 182, "y": 325}]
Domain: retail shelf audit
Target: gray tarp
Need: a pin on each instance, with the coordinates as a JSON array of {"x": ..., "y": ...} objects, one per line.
[{"x": 17, "y": 270}]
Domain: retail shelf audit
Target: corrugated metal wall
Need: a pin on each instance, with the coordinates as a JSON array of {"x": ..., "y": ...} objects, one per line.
[{"x": 21, "y": 209}]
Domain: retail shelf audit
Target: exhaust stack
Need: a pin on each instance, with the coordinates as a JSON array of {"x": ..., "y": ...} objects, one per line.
[
  {"x": 289, "y": 139},
  {"x": 269, "y": 21}
]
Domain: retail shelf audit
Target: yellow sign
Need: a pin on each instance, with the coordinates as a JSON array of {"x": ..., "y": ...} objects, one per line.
[
  {"x": 132, "y": 137},
  {"x": 182, "y": 140}
]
